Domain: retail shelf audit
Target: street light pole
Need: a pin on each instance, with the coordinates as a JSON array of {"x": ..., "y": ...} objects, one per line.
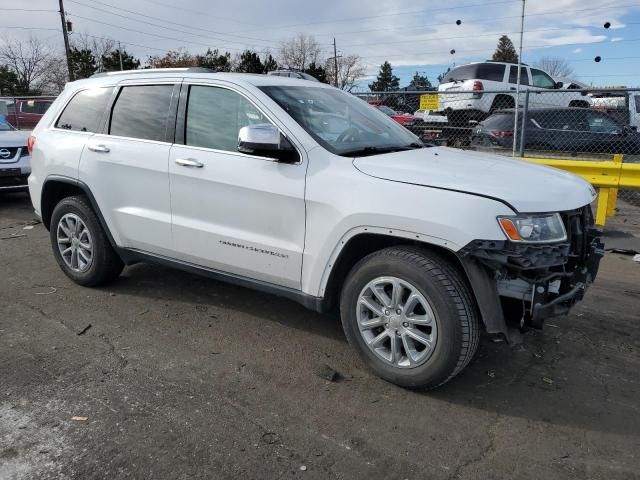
[{"x": 65, "y": 34}]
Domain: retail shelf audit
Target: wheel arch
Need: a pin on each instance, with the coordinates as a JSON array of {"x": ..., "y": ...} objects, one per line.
[
  {"x": 360, "y": 242},
  {"x": 57, "y": 187},
  {"x": 368, "y": 240}
]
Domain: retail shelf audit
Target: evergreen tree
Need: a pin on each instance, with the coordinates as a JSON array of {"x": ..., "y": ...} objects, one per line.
[
  {"x": 386, "y": 81},
  {"x": 214, "y": 60},
  {"x": 111, "y": 62},
  {"x": 317, "y": 72},
  {"x": 249, "y": 63},
  {"x": 505, "y": 51},
  {"x": 83, "y": 63},
  {"x": 270, "y": 64},
  {"x": 8, "y": 81},
  {"x": 419, "y": 82}
]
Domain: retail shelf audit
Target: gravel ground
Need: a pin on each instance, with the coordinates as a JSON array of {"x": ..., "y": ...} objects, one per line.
[{"x": 164, "y": 374}]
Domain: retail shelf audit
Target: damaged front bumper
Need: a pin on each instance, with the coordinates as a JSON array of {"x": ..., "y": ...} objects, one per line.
[{"x": 526, "y": 283}]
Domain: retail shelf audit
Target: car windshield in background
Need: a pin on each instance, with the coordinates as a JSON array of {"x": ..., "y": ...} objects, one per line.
[{"x": 342, "y": 123}]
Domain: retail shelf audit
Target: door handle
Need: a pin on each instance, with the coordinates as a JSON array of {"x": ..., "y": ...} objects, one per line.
[
  {"x": 99, "y": 148},
  {"x": 189, "y": 162}
]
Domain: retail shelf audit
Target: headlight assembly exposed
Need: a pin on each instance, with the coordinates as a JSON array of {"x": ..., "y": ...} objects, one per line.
[{"x": 533, "y": 228}]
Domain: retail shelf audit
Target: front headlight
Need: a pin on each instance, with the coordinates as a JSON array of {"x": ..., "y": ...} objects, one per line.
[{"x": 533, "y": 228}]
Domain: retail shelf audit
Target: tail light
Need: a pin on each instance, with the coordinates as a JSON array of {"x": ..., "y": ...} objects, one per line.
[
  {"x": 31, "y": 143},
  {"x": 477, "y": 89},
  {"x": 502, "y": 133}
]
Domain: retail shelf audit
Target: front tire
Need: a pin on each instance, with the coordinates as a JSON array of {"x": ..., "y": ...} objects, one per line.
[
  {"x": 80, "y": 245},
  {"x": 409, "y": 314}
]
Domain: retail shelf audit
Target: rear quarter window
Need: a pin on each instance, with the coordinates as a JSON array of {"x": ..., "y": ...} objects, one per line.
[
  {"x": 85, "y": 110},
  {"x": 490, "y": 71},
  {"x": 141, "y": 111},
  {"x": 498, "y": 121}
]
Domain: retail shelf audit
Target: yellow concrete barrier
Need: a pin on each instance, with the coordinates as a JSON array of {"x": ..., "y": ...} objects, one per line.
[{"x": 607, "y": 176}]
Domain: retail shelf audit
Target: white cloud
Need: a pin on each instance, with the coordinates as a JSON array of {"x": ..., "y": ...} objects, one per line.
[
  {"x": 617, "y": 39},
  {"x": 577, "y": 50}
]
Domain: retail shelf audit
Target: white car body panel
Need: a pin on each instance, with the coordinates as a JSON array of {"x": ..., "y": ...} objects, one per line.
[{"x": 306, "y": 211}]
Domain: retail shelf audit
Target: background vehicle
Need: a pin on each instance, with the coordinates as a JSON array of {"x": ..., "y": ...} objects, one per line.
[
  {"x": 462, "y": 94},
  {"x": 25, "y": 113},
  {"x": 293, "y": 74},
  {"x": 404, "y": 119},
  {"x": 623, "y": 106},
  {"x": 15, "y": 161},
  {"x": 560, "y": 129},
  {"x": 314, "y": 195}
]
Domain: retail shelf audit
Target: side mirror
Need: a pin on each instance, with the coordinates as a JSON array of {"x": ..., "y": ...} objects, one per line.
[
  {"x": 559, "y": 85},
  {"x": 265, "y": 140}
]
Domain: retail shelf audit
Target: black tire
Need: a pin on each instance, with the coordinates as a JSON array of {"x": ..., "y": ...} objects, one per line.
[
  {"x": 501, "y": 102},
  {"x": 445, "y": 289},
  {"x": 579, "y": 104},
  {"x": 106, "y": 265}
]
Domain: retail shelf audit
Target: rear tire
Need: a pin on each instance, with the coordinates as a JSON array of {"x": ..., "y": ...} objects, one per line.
[
  {"x": 501, "y": 102},
  {"x": 80, "y": 245},
  {"x": 425, "y": 277}
]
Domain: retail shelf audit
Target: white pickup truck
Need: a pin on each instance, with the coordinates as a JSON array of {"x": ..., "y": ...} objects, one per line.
[{"x": 302, "y": 190}]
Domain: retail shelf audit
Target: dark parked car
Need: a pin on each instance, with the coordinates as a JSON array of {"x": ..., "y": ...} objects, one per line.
[
  {"x": 559, "y": 129},
  {"x": 25, "y": 113}
]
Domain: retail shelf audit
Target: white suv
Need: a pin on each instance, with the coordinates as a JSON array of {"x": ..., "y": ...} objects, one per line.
[
  {"x": 305, "y": 191},
  {"x": 470, "y": 92}
]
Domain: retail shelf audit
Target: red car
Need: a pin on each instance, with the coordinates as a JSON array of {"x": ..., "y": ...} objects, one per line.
[
  {"x": 25, "y": 113},
  {"x": 404, "y": 119}
]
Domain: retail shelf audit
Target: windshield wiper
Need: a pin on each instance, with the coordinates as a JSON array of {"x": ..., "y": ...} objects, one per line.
[{"x": 365, "y": 151}]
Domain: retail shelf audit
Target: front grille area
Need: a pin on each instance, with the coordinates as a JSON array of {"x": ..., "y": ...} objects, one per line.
[{"x": 12, "y": 153}]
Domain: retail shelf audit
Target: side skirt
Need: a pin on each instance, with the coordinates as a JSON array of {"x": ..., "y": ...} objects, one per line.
[{"x": 132, "y": 256}]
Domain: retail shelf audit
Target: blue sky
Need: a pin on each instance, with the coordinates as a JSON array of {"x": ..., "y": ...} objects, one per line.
[{"x": 412, "y": 36}]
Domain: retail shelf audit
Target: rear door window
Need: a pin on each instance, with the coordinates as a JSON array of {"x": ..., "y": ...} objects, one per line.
[
  {"x": 85, "y": 110},
  {"x": 637, "y": 101},
  {"x": 513, "y": 75},
  {"x": 142, "y": 111}
]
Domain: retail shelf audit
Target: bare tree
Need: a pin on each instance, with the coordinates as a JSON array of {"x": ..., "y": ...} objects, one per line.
[
  {"x": 99, "y": 46},
  {"x": 56, "y": 76},
  {"x": 350, "y": 69},
  {"x": 556, "y": 67},
  {"x": 29, "y": 59},
  {"x": 298, "y": 52}
]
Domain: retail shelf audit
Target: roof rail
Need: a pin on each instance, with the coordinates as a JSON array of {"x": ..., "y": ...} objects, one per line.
[
  {"x": 500, "y": 61},
  {"x": 155, "y": 70}
]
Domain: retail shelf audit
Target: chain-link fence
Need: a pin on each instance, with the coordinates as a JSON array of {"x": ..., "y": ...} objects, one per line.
[
  {"x": 573, "y": 124},
  {"x": 24, "y": 113}
]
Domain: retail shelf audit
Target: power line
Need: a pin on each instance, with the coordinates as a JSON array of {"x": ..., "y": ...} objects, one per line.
[
  {"x": 161, "y": 20},
  {"x": 156, "y": 35},
  {"x": 27, "y": 10}
]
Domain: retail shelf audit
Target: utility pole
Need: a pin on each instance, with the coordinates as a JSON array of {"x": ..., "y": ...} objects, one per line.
[
  {"x": 65, "y": 34},
  {"x": 335, "y": 61},
  {"x": 120, "y": 54},
  {"x": 515, "y": 121}
]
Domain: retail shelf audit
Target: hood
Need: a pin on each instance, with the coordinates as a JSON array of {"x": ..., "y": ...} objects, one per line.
[
  {"x": 526, "y": 187},
  {"x": 14, "y": 138}
]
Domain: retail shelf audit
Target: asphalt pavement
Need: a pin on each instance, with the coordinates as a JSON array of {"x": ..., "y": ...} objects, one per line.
[{"x": 168, "y": 375}]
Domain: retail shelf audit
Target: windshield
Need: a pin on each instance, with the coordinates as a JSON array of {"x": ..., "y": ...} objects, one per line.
[
  {"x": 4, "y": 125},
  {"x": 341, "y": 123}
]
